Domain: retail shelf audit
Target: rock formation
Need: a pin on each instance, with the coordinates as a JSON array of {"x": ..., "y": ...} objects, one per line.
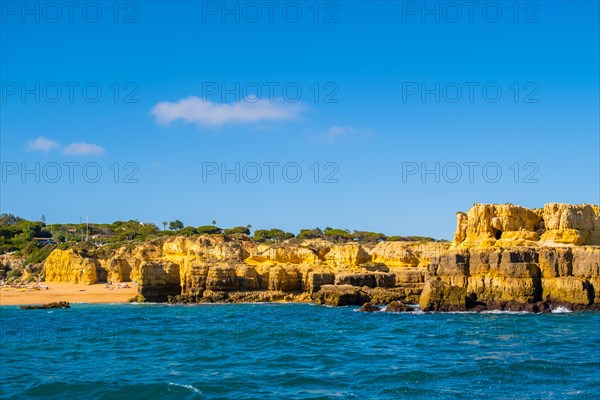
[
  {"x": 70, "y": 267},
  {"x": 502, "y": 256},
  {"x": 507, "y": 224},
  {"x": 224, "y": 269},
  {"x": 58, "y": 304},
  {"x": 506, "y": 253}
]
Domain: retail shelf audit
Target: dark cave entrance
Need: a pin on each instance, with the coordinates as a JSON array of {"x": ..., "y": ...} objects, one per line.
[{"x": 497, "y": 234}]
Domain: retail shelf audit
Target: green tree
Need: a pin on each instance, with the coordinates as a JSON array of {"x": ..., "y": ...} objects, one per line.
[
  {"x": 275, "y": 235},
  {"x": 368, "y": 237},
  {"x": 208, "y": 230},
  {"x": 238, "y": 229},
  {"x": 9, "y": 219},
  {"x": 337, "y": 235},
  {"x": 410, "y": 239},
  {"x": 176, "y": 225},
  {"x": 188, "y": 231},
  {"x": 128, "y": 230},
  {"x": 310, "y": 234},
  {"x": 164, "y": 224}
]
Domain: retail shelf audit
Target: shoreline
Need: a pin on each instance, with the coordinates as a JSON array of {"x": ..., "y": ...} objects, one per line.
[
  {"x": 100, "y": 294},
  {"x": 70, "y": 292},
  {"x": 77, "y": 298}
]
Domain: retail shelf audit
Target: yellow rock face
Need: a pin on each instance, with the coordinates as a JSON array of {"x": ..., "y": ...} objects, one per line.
[
  {"x": 484, "y": 224},
  {"x": 346, "y": 256},
  {"x": 193, "y": 265},
  {"x": 282, "y": 255},
  {"x": 462, "y": 224},
  {"x": 395, "y": 254},
  {"x": 511, "y": 253},
  {"x": 571, "y": 224},
  {"x": 69, "y": 267},
  {"x": 503, "y": 225},
  {"x": 569, "y": 288}
]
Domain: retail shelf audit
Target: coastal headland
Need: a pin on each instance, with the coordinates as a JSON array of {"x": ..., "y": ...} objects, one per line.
[{"x": 502, "y": 257}]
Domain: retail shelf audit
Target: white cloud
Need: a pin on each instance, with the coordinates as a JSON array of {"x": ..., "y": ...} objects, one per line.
[
  {"x": 338, "y": 132},
  {"x": 41, "y": 144},
  {"x": 83, "y": 149},
  {"x": 73, "y": 149},
  {"x": 203, "y": 112}
]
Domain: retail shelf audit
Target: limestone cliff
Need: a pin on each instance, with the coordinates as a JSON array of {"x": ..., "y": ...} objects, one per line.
[
  {"x": 217, "y": 268},
  {"x": 506, "y": 253},
  {"x": 509, "y": 225},
  {"x": 70, "y": 267},
  {"x": 501, "y": 254}
]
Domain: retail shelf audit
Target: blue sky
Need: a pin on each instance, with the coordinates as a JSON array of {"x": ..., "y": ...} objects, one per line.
[{"x": 368, "y": 94}]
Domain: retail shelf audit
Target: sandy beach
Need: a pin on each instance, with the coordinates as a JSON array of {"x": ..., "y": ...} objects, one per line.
[{"x": 67, "y": 292}]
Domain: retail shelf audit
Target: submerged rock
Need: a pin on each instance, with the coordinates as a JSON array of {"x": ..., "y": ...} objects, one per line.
[
  {"x": 368, "y": 307},
  {"x": 341, "y": 295},
  {"x": 59, "y": 304},
  {"x": 396, "y": 306}
]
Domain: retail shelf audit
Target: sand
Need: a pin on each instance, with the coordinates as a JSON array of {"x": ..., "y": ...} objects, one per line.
[{"x": 67, "y": 292}]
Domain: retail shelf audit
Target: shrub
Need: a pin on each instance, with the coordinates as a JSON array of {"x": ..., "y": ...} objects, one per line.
[
  {"x": 410, "y": 239},
  {"x": 310, "y": 233},
  {"x": 209, "y": 230},
  {"x": 238, "y": 229},
  {"x": 39, "y": 254},
  {"x": 15, "y": 273},
  {"x": 277, "y": 235},
  {"x": 337, "y": 235},
  {"x": 368, "y": 237},
  {"x": 188, "y": 230}
]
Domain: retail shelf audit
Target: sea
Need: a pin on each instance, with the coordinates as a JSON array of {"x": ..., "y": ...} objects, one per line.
[{"x": 294, "y": 351}]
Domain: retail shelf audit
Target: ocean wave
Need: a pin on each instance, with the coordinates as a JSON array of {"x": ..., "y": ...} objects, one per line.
[
  {"x": 504, "y": 312},
  {"x": 189, "y": 387},
  {"x": 560, "y": 310}
]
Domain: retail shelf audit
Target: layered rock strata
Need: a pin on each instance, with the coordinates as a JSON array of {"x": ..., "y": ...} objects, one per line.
[
  {"x": 506, "y": 253},
  {"x": 219, "y": 269}
]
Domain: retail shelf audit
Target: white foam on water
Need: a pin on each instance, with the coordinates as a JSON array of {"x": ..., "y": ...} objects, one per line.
[
  {"x": 560, "y": 310},
  {"x": 504, "y": 312},
  {"x": 189, "y": 387}
]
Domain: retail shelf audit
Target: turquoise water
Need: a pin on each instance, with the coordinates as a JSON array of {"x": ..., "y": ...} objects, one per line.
[{"x": 300, "y": 351}]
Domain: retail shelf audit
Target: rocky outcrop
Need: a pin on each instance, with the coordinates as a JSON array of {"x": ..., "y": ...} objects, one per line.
[
  {"x": 368, "y": 307},
  {"x": 349, "y": 295},
  {"x": 47, "y": 306},
  {"x": 571, "y": 224},
  {"x": 158, "y": 281},
  {"x": 317, "y": 279},
  {"x": 217, "y": 269},
  {"x": 520, "y": 274},
  {"x": 506, "y": 254},
  {"x": 396, "y": 306},
  {"x": 70, "y": 267},
  {"x": 510, "y": 225}
]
